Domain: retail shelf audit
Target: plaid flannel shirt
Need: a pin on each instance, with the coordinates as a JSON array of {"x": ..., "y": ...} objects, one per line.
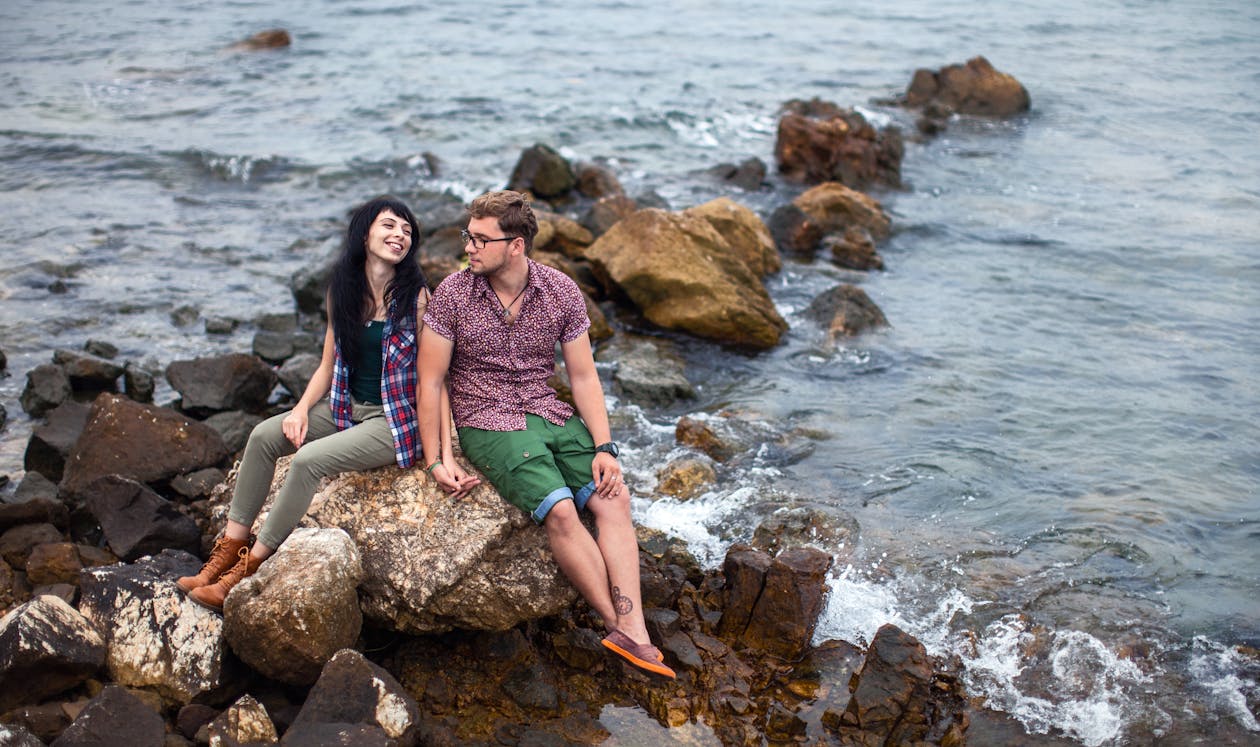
[{"x": 398, "y": 387}]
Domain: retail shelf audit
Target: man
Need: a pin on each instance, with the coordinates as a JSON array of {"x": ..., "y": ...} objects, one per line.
[{"x": 490, "y": 332}]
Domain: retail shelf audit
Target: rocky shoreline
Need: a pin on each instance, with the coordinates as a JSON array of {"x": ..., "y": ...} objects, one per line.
[{"x": 397, "y": 616}]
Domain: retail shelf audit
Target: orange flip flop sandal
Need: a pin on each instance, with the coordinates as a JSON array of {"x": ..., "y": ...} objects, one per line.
[{"x": 645, "y": 656}]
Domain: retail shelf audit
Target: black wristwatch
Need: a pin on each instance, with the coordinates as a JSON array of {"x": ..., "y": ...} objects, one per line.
[{"x": 608, "y": 448}]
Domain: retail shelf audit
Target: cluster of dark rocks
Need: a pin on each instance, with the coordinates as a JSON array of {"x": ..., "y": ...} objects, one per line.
[{"x": 121, "y": 495}]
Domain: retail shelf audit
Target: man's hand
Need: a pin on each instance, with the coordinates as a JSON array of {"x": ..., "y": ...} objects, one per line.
[{"x": 607, "y": 471}]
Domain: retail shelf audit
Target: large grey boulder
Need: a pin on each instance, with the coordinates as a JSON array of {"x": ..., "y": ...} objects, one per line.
[
  {"x": 223, "y": 382},
  {"x": 156, "y": 638},
  {"x": 46, "y": 647},
  {"x": 288, "y": 619}
]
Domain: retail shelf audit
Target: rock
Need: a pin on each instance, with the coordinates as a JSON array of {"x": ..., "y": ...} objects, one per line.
[
  {"x": 138, "y": 383},
  {"x": 141, "y": 442},
  {"x": 543, "y": 172},
  {"x": 35, "y": 486},
  {"x": 309, "y": 285},
  {"x": 47, "y": 386},
  {"x": 51, "y": 443},
  {"x": 748, "y": 175},
  {"x": 728, "y": 437},
  {"x": 433, "y": 564},
  {"x": 744, "y": 232},
  {"x": 354, "y": 694},
  {"x": 184, "y": 315},
  {"x": 17, "y": 542},
  {"x": 137, "y": 521},
  {"x": 597, "y": 182},
  {"x": 115, "y": 717},
  {"x": 198, "y": 484},
  {"x": 783, "y": 619},
  {"x": 13, "y": 588},
  {"x": 854, "y": 250},
  {"x": 296, "y": 373},
  {"x": 565, "y": 236},
  {"x": 54, "y": 563},
  {"x": 155, "y": 637},
  {"x": 835, "y": 207},
  {"x": 193, "y": 717},
  {"x": 101, "y": 349},
  {"x": 845, "y": 311},
  {"x": 269, "y": 39},
  {"x": 4, "y": 420},
  {"x": 745, "y": 570},
  {"x": 13, "y": 735},
  {"x": 38, "y": 510},
  {"x": 892, "y": 691},
  {"x": 221, "y": 325},
  {"x": 814, "y": 524},
  {"x": 46, "y": 647},
  {"x": 683, "y": 275},
  {"x": 65, "y": 592},
  {"x": 273, "y": 347},
  {"x": 819, "y": 142},
  {"x": 794, "y": 232},
  {"x": 226, "y": 382},
  {"x": 244, "y": 722},
  {"x": 88, "y": 372},
  {"x": 647, "y": 372},
  {"x": 606, "y": 211},
  {"x": 686, "y": 477},
  {"x": 233, "y": 427},
  {"x": 278, "y": 322},
  {"x": 973, "y": 88},
  {"x": 288, "y": 619},
  {"x": 4, "y": 362}
]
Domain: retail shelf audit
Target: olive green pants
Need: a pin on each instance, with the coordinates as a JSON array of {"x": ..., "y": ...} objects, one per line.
[{"x": 366, "y": 445}]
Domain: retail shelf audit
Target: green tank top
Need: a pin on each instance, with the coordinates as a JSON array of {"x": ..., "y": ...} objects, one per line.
[{"x": 365, "y": 385}]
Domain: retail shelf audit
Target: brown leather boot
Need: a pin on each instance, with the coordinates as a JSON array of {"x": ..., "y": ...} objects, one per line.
[
  {"x": 212, "y": 596},
  {"x": 224, "y": 555}
]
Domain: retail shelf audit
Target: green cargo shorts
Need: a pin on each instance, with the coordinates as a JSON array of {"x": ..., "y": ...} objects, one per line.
[{"x": 538, "y": 467}]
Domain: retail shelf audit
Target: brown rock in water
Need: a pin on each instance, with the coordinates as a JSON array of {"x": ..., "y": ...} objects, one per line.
[
  {"x": 845, "y": 311},
  {"x": 686, "y": 477},
  {"x": 819, "y": 142},
  {"x": 854, "y": 250},
  {"x": 288, "y": 619},
  {"x": 795, "y": 232},
  {"x": 542, "y": 171},
  {"x": 141, "y": 442},
  {"x": 269, "y": 39},
  {"x": 834, "y": 208},
  {"x": 597, "y": 182},
  {"x": 974, "y": 88},
  {"x": 783, "y": 620},
  {"x": 683, "y": 275},
  {"x": 744, "y": 232}
]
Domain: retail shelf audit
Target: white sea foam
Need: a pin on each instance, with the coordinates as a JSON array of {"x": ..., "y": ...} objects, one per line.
[{"x": 1216, "y": 669}]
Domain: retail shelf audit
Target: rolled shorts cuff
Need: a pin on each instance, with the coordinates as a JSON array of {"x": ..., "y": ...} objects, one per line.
[
  {"x": 554, "y": 497},
  {"x": 584, "y": 495}
]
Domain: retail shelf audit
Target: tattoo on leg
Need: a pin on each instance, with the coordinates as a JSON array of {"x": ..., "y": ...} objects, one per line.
[{"x": 621, "y": 602}]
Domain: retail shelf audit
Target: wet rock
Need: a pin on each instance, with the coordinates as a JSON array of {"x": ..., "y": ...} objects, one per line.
[
  {"x": 17, "y": 542},
  {"x": 854, "y": 250},
  {"x": 18, "y": 736},
  {"x": 198, "y": 484},
  {"x": 606, "y": 211},
  {"x": 543, "y": 172},
  {"x": 137, "y": 521},
  {"x": 686, "y": 477},
  {"x": 748, "y": 175},
  {"x": 46, "y": 647},
  {"x": 682, "y": 275},
  {"x": 244, "y": 722},
  {"x": 51, "y": 443},
  {"x": 47, "y": 386},
  {"x": 845, "y": 311},
  {"x": 101, "y": 349},
  {"x": 88, "y": 372},
  {"x": 269, "y": 39},
  {"x": 820, "y": 142},
  {"x": 795, "y": 232},
  {"x": 138, "y": 383},
  {"x": 786, "y": 613},
  {"x": 34, "y": 486},
  {"x": 431, "y": 563},
  {"x": 4, "y": 420},
  {"x": 4, "y": 362},
  {"x": 744, "y": 232},
  {"x": 233, "y": 427},
  {"x": 37, "y": 510},
  {"x": 226, "y": 382},
  {"x": 185, "y": 315},
  {"x": 648, "y": 372},
  {"x": 287, "y": 620},
  {"x": 54, "y": 563},
  {"x": 221, "y": 325},
  {"x": 834, "y": 208},
  {"x": 277, "y": 322},
  {"x": 597, "y": 182},
  {"x": 732, "y": 437},
  {"x": 814, "y": 524},
  {"x": 155, "y": 637},
  {"x": 140, "y": 442},
  {"x": 745, "y": 570},
  {"x": 358, "y": 698},
  {"x": 296, "y": 373},
  {"x": 973, "y": 88},
  {"x": 115, "y": 717}
]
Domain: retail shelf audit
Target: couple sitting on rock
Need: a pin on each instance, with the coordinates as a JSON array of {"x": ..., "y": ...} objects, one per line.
[{"x": 488, "y": 337}]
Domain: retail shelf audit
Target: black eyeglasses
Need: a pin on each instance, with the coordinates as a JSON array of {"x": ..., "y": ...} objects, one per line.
[{"x": 478, "y": 242}]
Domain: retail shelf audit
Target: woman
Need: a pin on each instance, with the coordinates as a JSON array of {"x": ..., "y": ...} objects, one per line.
[{"x": 376, "y": 296}]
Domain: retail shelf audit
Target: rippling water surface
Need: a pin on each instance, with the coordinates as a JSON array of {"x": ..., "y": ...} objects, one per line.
[{"x": 1052, "y": 454}]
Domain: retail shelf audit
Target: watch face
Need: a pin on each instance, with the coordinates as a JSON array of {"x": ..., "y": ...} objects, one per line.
[{"x": 608, "y": 448}]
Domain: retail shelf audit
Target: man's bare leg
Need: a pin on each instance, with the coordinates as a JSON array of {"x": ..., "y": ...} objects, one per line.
[{"x": 580, "y": 558}]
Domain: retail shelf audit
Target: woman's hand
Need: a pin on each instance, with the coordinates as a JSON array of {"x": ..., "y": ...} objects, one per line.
[
  {"x": 453, "y": 479},
  {"x": 294, "y": 426},
  {"x": 461, "y": 476}
]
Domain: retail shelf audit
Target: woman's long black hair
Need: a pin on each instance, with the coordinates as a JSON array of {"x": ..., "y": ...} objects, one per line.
[{"x": 348, "y": 293}]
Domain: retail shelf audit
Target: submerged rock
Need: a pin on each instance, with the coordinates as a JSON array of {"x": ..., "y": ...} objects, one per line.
[
  {"x": 845, "y": 311},
  {"x": 686, "y": 477},
  {"x": 269, "y": 39}
]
